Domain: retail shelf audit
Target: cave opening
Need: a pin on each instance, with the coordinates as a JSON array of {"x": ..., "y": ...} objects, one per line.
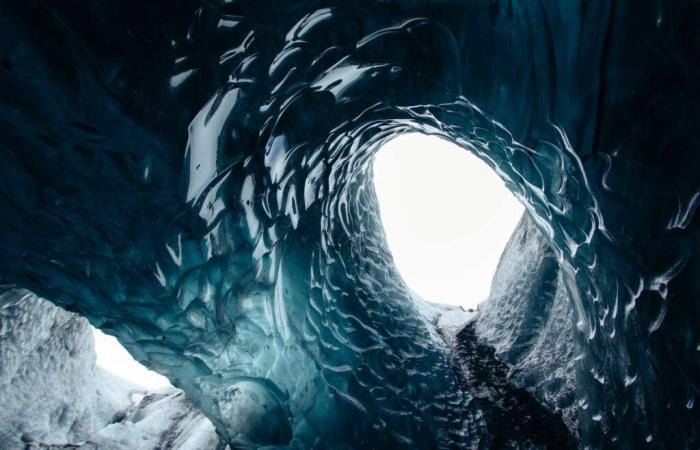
[
  {"x": 114, "y": 358},
  {"x": 447, "y": 217}
]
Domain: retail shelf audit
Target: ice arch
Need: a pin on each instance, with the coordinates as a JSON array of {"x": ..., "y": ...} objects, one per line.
[{"x": 215, "y": 212}]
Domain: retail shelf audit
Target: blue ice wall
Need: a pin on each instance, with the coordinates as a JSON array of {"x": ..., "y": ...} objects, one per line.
[{"x": 194, "y": 178}]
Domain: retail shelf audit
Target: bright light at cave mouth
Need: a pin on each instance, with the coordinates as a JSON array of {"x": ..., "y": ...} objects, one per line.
[
  {"x": 114, "y": 358},
  {"x": 447, "y": 217}
]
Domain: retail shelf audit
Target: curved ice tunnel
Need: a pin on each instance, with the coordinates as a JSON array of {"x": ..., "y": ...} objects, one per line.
[{"x": 250, "y": 268}]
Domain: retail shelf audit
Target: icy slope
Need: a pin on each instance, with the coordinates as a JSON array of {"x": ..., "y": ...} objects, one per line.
[
  {"x": 51, "y": 390},
  {"x": 161, "y": 420},
  {"x": 528, "y": 321}
]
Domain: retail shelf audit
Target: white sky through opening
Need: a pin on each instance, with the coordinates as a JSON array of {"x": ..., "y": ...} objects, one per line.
[
  {"x": 447, "y": 217},
  {"x": 114, "y": 358}
]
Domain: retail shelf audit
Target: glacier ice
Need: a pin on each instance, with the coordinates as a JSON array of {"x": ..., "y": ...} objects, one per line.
[
  {"x": 195, "y": 179},
  {"x": 54, "y": 396},
  {"x": 164, "y": 419},
  {"x": 52, "y": 392},
  {"x": 527, "y": 316}
]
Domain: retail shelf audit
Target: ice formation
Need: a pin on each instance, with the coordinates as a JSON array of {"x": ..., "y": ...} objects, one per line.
[
  {"x": 160, "y": 420},
  {"x": 528, "y": 316},
  {"x": 51, "y": 390},
  {"x": 56, "y": 398},
  {"x": 195, "y": 179}
]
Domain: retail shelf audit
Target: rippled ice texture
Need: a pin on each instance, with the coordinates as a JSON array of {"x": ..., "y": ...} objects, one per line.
[{"x": 196, "y": 180}]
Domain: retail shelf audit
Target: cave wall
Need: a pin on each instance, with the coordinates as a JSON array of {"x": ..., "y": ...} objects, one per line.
[{"x": 528, "y": 321}]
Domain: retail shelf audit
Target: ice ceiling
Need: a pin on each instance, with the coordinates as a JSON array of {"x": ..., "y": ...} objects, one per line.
[{"x": 195, "y": 179}]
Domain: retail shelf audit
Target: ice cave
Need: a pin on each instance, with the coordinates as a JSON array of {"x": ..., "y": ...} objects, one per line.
[{"x": 195, "y": 178}]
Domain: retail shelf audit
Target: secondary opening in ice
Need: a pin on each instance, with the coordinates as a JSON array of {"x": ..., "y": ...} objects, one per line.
[
  {"x": 114, "y": 358},
  {"x": 447, "y": 217}
]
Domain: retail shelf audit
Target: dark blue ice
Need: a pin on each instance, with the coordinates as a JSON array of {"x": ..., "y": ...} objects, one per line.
[{"x": 195, "y": 179}]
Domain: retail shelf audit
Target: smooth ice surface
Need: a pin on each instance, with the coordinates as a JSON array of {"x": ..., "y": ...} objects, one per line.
[
  {"x": 195, "y": 179},
  {"x": 114, "y": 358},
  {"x": 447, "y": 217}
]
